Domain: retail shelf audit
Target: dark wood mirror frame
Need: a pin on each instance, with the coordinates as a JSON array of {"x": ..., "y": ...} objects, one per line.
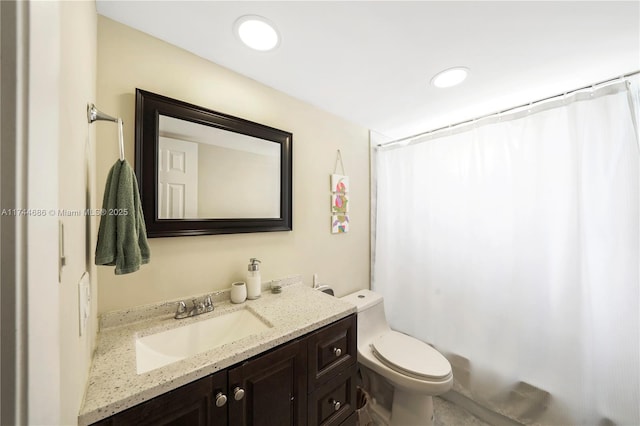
[{"x": 149, "y": 108}]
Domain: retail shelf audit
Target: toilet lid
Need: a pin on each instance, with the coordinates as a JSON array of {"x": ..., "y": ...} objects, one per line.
[{"x": 410, "y": 356}]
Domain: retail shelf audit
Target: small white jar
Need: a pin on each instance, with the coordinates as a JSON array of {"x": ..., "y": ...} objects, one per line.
[{"x": 238, "y": 292}]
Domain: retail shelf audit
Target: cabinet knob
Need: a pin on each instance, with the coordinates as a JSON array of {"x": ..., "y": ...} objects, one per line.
[
  {"x": 336, "y": 404},
  {"x": 337, "y": 351},
  {"x": 221, "y": 399},
  {"x": 238, "y": 393}
]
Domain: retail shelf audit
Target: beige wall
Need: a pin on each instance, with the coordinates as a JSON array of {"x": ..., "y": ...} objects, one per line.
[
  {"x": 43, "y": 304},
  {"x": 62, "y": 79},
  {"x": 255, "y": 191},
  {"x": 181, "y": 266},
  {"x": 76, "y": 192}
]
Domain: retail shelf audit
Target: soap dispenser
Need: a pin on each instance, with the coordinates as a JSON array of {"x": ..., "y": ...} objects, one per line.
[{"x": 254, "y": 284}]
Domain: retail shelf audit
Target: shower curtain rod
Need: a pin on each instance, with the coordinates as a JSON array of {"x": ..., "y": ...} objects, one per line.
[{"x": 408, "y": 139}]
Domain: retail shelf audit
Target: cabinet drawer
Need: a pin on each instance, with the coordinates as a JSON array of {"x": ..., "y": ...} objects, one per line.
[
  {"x": 334, "y": 402},
  {"x": 330, "y": 350}
]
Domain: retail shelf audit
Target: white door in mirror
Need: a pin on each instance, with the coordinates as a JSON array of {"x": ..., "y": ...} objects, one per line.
[{"x": 177, "y": 179}]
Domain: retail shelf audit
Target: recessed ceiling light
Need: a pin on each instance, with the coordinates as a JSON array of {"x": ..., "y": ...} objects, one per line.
[
  {"x": 450, "y": 77},
  {"x": 257, "y": 32}
]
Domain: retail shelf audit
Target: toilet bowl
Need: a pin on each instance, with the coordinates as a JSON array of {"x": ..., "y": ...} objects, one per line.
[{"x": 416, "y": 370}]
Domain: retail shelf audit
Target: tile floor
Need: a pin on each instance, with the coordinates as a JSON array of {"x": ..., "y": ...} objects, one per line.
[{"x": 449, "y": 414}]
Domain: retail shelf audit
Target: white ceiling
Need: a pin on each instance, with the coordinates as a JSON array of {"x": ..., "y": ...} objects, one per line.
[
  {"x": 371, "y": 62},
  {"x": 184, "y": 130}
]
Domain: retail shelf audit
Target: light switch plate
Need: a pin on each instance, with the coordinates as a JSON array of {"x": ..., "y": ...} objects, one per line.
[{"x": 84, "y": 301}]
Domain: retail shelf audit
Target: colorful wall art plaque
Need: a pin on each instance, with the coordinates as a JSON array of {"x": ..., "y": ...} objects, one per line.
[
  {"x": 339, "y": 199},
  {"x": 339, "y": 224},
  {"x": 339, "y": 183},
  {"x": 339, "y": 203}
]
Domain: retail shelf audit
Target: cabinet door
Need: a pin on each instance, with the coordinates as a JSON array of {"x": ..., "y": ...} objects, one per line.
[
  {"x": 189, "y": 405},
  {"x": 275, "y": 388}
]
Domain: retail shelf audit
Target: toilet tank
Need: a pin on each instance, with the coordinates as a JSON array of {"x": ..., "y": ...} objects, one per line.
[
  {"x": 363, "y": 299},
  {"x": 372, "y": 321}
]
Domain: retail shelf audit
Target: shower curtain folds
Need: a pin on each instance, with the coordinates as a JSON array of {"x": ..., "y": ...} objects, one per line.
[{"x": 518, "y": 240}]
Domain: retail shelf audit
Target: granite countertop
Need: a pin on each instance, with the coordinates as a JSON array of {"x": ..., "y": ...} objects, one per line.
[{"x": 114, "y": 384}]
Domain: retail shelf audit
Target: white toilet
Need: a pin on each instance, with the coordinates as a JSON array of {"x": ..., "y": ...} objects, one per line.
[{"x": 416, "y": 371}]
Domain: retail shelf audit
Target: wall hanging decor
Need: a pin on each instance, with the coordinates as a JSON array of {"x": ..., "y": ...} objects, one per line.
[
  {"x": 339, "y": 199},
  {"x": 339, "y": 183},
  {"x": 339, "y": 224},
  {"x": 339, "y": 203}
]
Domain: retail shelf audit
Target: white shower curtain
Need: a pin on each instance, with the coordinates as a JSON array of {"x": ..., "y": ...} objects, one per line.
[{"x": 514, "y": 244}]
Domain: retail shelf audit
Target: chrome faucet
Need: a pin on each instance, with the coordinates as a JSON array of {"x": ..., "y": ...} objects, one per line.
[{"x": 200, "y": 306}]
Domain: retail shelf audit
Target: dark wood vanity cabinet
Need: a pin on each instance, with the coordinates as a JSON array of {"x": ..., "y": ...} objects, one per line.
[{"x": 308, "y": 381}]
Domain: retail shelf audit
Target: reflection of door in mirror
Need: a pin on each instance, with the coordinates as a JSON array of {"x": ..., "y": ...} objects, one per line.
[{"x": 177, "y": 179}]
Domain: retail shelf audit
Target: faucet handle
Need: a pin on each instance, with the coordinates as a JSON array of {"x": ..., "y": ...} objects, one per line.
[
  {"x": 208, "y": 303},
  {"x": 181, "y": 312}
]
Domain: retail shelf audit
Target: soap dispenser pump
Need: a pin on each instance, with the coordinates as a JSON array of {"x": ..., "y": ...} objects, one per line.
[{"x": 254, "y": 284}]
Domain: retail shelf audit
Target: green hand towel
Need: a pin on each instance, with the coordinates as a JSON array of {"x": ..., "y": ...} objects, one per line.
[{"x": 122, "y": 236}]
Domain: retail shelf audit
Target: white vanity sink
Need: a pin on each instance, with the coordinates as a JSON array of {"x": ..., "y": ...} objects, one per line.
[{"x": 163, "y": 348}]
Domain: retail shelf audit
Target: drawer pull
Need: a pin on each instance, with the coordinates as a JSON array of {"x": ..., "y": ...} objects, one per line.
[
  {"x": 221, "y": 399},
  {"x": 337, "y": 351},
  {"x": 238, "y": 393},
  {"x": 336, "y": 404}
]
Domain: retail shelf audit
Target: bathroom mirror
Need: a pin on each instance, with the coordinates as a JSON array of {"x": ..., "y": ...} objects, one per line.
[{"x": 204, "y": 172}]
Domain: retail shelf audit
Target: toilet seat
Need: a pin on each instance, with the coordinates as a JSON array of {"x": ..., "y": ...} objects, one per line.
[{"x": 410, "y": 356}]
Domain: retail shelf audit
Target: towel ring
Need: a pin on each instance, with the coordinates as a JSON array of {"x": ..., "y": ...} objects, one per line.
[{"x": 94, "y": 114}]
